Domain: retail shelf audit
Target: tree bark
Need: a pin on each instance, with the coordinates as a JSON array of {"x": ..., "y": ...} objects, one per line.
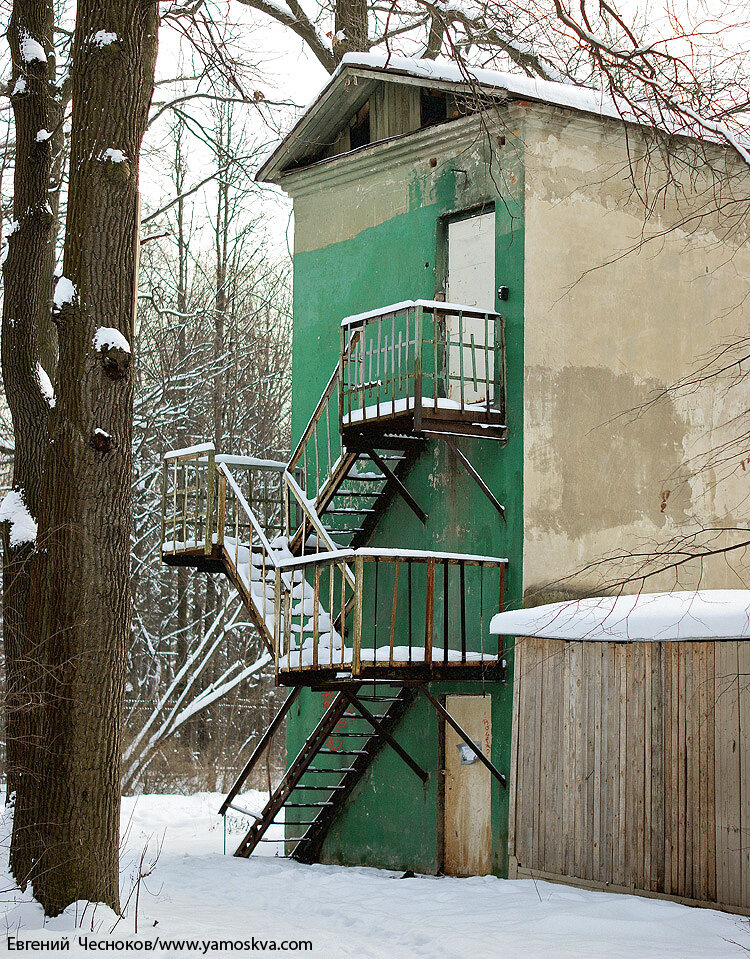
[
  {"x": 351, "y": 20},
  {"x": 82, "y": 606},
  {"x": 28, "y": 339}
]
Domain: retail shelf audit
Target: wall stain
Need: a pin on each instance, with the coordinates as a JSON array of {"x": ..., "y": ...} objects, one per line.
[{"x": 595, "y": 467}]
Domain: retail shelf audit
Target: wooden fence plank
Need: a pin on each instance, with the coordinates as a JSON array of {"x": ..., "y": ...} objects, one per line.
[{"x": 631, "y": 766}]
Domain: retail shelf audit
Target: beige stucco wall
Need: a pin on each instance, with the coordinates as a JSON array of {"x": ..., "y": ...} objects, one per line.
[{"x": 609, "y": 322}]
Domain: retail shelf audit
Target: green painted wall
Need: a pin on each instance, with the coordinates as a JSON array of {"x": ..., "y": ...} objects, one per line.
[{"x": 391, "y": 820}]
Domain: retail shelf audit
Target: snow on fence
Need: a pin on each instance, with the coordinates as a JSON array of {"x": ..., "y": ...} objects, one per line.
[{"x": 630, "y": 762}]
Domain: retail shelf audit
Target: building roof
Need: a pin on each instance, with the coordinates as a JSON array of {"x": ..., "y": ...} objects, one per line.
[
  {"x": 708, "y": 614},
  {"x": 358, "y": 74}
]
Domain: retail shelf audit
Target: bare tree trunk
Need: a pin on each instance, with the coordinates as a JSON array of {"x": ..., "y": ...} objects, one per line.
[
  {"x": 351, "y": 19},
  {"x": 82, "y": 608},
  {"x": 27, "y": 339}
]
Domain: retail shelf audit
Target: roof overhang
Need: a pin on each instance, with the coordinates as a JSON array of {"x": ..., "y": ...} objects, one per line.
[
  {"x": 704, "y": 615},
  {"x": 357, "y": 76}
]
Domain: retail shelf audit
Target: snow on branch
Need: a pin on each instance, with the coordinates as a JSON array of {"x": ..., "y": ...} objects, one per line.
[
  {"x": 13, "y": 510},
  {"x": 215, "y": 692},
  {"x": 106, "y": 337}
]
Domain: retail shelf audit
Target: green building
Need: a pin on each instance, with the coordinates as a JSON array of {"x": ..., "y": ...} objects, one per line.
[{"x": 464, "y": 322}]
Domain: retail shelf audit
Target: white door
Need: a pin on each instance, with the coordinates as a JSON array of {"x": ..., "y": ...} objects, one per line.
[{"x": 471, "y": 282}]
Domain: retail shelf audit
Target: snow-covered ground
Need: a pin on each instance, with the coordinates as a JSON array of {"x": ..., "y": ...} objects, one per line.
[{"x": 197, "y": 893}]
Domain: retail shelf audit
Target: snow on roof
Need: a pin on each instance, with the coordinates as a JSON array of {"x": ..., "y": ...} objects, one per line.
[
  {"x": 569, "y": 95},
  {"x": 645, "y": 617}
]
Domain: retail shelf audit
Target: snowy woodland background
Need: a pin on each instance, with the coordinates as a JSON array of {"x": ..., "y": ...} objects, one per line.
[{"x": 213, "y": 354}]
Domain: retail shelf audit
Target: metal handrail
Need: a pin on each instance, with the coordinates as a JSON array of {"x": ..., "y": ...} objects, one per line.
[
  {"x": 359, "y": 557},
  {"x": 403, "y": 355}
]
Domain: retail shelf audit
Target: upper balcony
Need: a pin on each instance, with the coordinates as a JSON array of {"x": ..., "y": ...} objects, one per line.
[{"x": 422, "y": 367}]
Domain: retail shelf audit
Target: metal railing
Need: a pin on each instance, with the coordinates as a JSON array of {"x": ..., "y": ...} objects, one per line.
[
  {"x": 319, "y": 449},
  {"x": 193, "y": 514},
  {"x": 187, "y": 503},
  {"x": 436, "y": 359},
  {"x": 405, "y": 609}
]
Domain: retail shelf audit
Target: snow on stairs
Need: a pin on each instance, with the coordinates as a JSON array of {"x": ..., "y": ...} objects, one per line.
[
  {"x": 255, "y": 574},
  {"x": 322, "y": 776}
]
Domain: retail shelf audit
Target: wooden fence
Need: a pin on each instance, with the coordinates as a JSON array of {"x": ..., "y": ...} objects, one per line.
[{"x": 631, "y": 767}]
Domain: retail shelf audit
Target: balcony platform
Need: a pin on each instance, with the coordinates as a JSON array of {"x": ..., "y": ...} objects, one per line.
[
  {"x": 402, "y": 674},
  {"x": 422, "y": 368}
]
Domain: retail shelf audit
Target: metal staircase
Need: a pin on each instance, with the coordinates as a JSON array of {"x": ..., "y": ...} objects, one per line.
[
  {"x": 332, "y": 760},
  {"x": 290, "y": 536}
]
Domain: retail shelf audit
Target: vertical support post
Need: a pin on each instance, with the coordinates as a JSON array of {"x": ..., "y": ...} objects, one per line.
[
  {"x": 357, "y": 634},
  {"x": 429, "y": 612},
  {"x": 164, "y": 477},
  {"x": 462, "y": 589},
  {"x": 487, "y": 390},
  {"x": 277, "y": 622},
  {"x": 210, "y": 490},
  {"x": 343, "y": 614},
  {"x": 418, "y": 316},
  {"x": 502, "y": 389},
  {"x": 393, "y": 611},
  {"x": 446, "y": 641},
  {"x": 461, "y": 356},
  {"x": 501, "y": 606},
  {"x": 345, "y": 344},
  {"x": 315, "y": 617}
]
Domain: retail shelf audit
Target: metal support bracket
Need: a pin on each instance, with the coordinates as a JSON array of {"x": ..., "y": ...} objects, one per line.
[
  {"x": 404, "y": 492},
  {"x": 442, "y": 711},
  {"x": 475, "y": 475},
  {"x": 378, "y": 727}
]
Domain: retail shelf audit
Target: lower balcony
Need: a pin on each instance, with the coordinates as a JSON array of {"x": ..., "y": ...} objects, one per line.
[{"x": 387, "y": 614}]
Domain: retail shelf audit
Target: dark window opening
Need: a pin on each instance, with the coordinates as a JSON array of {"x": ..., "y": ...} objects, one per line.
[
  {"x": 434, "y": 107},
  {"x": 359, "y": 131}
]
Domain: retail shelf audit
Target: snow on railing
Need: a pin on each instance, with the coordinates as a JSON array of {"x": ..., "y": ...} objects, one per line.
[
  {"x": 188, "y": 487},
  {"x": 422, "y": 356},
  {"x": 192, "y": 516},
  {"x": 408, "y": 608}
]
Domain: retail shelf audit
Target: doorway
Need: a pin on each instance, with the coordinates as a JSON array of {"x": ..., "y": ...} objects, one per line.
[
  {"x": 470, "y": 281},
  {"x": 468, "y": 789}
]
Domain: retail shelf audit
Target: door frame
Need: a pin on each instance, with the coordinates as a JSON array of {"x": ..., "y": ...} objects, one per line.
[{"x": 441, "y": 254}]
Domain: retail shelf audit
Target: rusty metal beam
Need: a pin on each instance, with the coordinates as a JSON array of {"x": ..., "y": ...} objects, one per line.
[
  {"x": 403, "y": 491},
  {"x": 382, "y": 731},
  {"x": 475, "y": 475},
  {"x": 442, "y": 711}
]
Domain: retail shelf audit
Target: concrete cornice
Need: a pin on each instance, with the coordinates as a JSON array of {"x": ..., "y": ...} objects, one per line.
[{"x": 410, "y": 147}]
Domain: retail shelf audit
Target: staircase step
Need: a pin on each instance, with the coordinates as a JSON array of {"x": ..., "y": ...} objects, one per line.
[
  {"x": 377, "y": 699},
  {"x": 342, "y": 752},
  {"x": 320, "y": 788},
  {"x": 306, "y": 805},
  {"x": 344, "y": 511},
  {"x": 345, "y": 769},
  {"x": 392, "y": 457}
]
